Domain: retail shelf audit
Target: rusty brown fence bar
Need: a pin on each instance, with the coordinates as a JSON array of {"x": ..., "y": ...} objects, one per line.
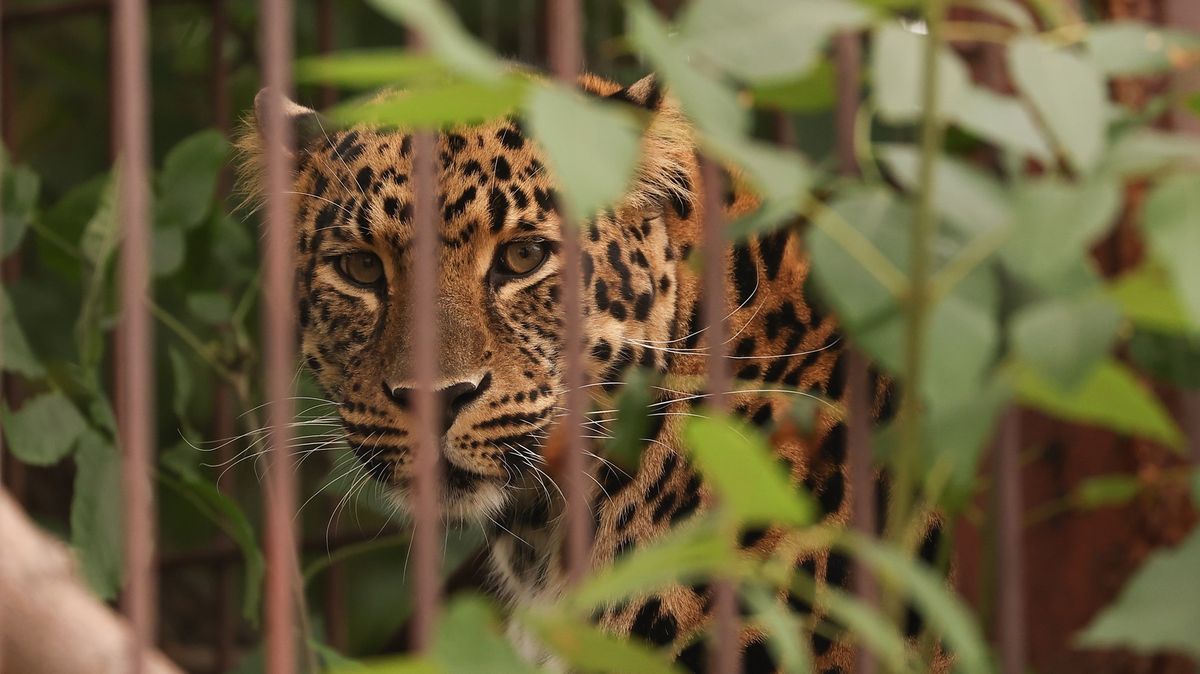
[
  {"x": 135, "y": 345},
  {"x": 564, "y": 40},
  {"x": 279, "y": 349}
]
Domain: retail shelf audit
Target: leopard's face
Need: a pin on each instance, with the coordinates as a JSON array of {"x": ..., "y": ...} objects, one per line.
[{"x": 499, "y": 318}]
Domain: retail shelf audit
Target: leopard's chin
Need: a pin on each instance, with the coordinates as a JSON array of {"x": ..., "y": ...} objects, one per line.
[{"x": 465, "y": 497}]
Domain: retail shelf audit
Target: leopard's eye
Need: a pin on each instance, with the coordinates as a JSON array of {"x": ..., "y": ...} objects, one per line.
[
  {"x": 518, "y": 258},
  {"x": 365, "y": 269}
]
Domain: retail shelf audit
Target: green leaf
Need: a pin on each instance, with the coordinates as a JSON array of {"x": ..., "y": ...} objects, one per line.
[
  {"x": 813, "y": 92},
  {"x": 188, "y": 181},
  {"x": 394, "y": 665},
  {"x": 44, "y": 430},
  {"x": 1142, "y": 151},
  {"x": 869, "y": 627},
  {"x": 762, "y": 40},
  {"x": 15, "y": 352},
  {"x": 437, "y": 105},
  {"x": 1123, "y": 48},
  {"x": 592, "y": 147},
  {"x": 1173, "y": 237},
  {"x": 633, "y": 420},
  {"x": 168, "y": 251},
  {"x": 738, "y": 464},
  {"x": 1105, "y": 490},
  {"x": 19, "y": 190},
  {"x": 695, "y": 550},
  {"x": 213, "y": 308},
  {"x": 970, "y": 199},
  {"x": 781, "y": 176},
  {"x": 1172, "y": 359},
  {"x": 470, "y": 638},
  {"x": 712, "y": 105},
  {"x": 1068, "y": 93},
  {"x": 181, "y": 374},
  {"x": 784, "y": 630},
  {"x": 897, "y": 69},
  {"x": 369, "y": 68},
  {"x": 1054, "y": 225},
  {"x": 1063, "y": 338},
  {"x": 225, "y": 513},
  {"x": 96, "y": 517},
  {"x": 1110, "y": 397},
  {"x": 1158, "y": 610},
  {"x": 1148, "y": 298},
  {"x": 585, "y": 648},
  {"x": 98, "y": 243},
  {"x": 945, "y": 612},
  {"x": 102, "y": 232},
  {"x": 1001, "y": 120},
  {"x": 443, "y": 35}
]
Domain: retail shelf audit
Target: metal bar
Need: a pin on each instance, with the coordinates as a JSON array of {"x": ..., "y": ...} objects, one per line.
[
  {"x": 1010, "y": 547},
  {"x": 424, "y": 288},
  {"x": 279, "y": 335},
  {"x": 724, "y": 653},
  {"x": 565, "y": 51},
  {"x": 135, "y": 345}
]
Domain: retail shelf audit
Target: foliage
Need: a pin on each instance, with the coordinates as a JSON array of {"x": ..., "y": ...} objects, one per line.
[{"x": 1008, "y": 211}]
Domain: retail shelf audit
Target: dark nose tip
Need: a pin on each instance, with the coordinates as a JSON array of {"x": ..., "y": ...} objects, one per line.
[{"x": 451, "y": 399}]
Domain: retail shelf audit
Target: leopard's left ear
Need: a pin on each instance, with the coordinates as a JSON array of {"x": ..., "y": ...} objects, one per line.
[
  {"x": 306, "y": 125},
  {"x": 667, "y": 173}
]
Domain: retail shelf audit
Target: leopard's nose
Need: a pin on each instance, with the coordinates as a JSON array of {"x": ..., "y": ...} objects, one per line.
[{"x": 452, "y": 397}]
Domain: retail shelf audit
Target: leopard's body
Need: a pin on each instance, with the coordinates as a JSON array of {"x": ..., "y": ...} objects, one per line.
[{"x": 642, "y": 308}]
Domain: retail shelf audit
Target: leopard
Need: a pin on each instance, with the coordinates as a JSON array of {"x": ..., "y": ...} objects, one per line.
[{"x": 501, "y": 355}]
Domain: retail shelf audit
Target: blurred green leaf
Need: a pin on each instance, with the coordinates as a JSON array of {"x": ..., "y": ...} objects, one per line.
[
  {"x": 470, "y": 638},
  {"x": 633, "y": 420},
  {"x": 98, "y": 243},
  {"x": 897, "y": 58},
  {"x": 1158, "y": 610},
  {"x": 694, "y": 550},
  {"x": 15, "y": 352},
  {"x": 1110, "y": 396},
  {"x": 67, "y": 219},
  {"x": 188, "y": 182},
  {"x": 44, "y": 430},
  {"x": 585, "y": 648},
  {"x": 810, "y": 93},
  {"x": 1063, "y": 338},
  {"x": 593, "y": 148},
  {"x": 96, "y": 519},
  {"x": 225, "y": 513},
  {"x": 970, "y": 199},
  {"x": 1001, "y": 120},
  {"x": 780, "y": 176},
  {"x": 712, "y": 105},
  {"x": 443, "y": 35},
  {"x": 869, "y": 627},
  {"x": 213, "y": 308},
  {"x": 1168, "y": 358},
  {"x": 738, "y": 464},
  {"x": 1105, "y": 490},
  {"x": 762, "y": 40},
  {"x": 19, "y": 190},
  {"x": 783, "y": 627},
  {"x": 1123, "y": 48},
  {"x": 1054, "y": 224},
  {"x": 400, "y": 665},
  {"x": 369, "y": 68},
  {"x": 1068, "y": 93},
  {"x": 436, "y": 106},
  {"x": 932, "y": 596},
  {"x": 102, "y": 233},
  {"x": 1148, "y": 298},
  {"x": 1174, "y": 237},
  {"x": 168, "y": 251},
  {"x": 1142, "y": 151}
]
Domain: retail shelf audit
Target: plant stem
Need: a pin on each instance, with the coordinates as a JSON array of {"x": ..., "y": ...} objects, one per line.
[{"x": 906, "y": 461}]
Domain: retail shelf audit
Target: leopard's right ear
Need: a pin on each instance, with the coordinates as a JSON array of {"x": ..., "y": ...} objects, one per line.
[{"x": 308, "y": 128}]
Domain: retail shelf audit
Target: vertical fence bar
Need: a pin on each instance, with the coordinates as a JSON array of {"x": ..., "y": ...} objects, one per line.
[
  {"x": 564, "y": 35},
  {"x": 724, "y": 654},
  {"x": 1010, "y": 547},
  {"x": 848, "y": 65},
  {"x": 424, "y": 287},
  {"x": 4, "y": 70},
  {"x": 278, "y": 335},
  {"x": 135, "y": 350}
]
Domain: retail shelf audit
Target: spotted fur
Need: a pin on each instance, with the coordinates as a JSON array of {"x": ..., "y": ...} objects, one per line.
[{"x": 642, "y": 308}]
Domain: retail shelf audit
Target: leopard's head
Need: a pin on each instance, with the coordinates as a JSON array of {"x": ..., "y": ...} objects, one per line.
[{"x": 499, "y": 321}]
